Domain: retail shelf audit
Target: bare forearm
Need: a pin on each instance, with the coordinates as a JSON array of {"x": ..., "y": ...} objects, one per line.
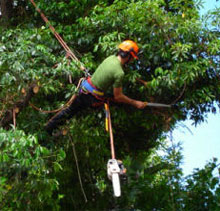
[
  {"x": 145, "y": 83},
  {"x": 124, "y": 99},
  {"x": 121, "y": 98}
]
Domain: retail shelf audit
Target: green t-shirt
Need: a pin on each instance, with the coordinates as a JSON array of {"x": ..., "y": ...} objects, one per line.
[{"x": 108, "y": 74}]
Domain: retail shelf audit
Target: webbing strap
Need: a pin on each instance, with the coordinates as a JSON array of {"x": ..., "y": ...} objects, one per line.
[{"x": 86, "y": 84}]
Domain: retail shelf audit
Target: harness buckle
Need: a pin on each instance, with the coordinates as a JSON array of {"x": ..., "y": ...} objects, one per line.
[{"x": 86, "y": 73}]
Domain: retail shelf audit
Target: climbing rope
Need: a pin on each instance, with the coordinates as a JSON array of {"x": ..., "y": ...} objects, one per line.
[
  {"x": 69, "y": 53},
  {"x": 109, "y": 128},
  {"x": 61, "y": 108},
  {"x": 59, "y": 38},
  {"x": 14, "y": 117},
  {"x": 77, "y": 167}
]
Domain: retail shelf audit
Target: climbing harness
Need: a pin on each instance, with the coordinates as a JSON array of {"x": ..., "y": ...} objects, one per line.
[
  {"x": 115, "y": 167},
  {"x": 88, "y": 86}
]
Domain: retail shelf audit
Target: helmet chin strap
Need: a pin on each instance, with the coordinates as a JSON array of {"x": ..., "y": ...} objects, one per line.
[
  {"x": 126, "y": 56},
  {"x": 129, "y": 59}
]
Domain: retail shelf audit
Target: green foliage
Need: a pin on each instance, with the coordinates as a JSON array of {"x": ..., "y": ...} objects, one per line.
[
  {"x": 27, "y": 172},
  {"x": 27, "y": 57},
  {"x": 179, "y": 59},
  {"x": 203, "y": 188},
  {"x": 174, "y": 43}
]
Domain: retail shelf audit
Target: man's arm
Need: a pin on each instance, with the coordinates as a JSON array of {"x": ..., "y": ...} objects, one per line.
[
  {"x": 145, "y": 83},
  {"x": 121, "y": 98}
]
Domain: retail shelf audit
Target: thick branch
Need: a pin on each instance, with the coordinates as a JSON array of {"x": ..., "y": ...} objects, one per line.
[{"x": 19, "y": 106}]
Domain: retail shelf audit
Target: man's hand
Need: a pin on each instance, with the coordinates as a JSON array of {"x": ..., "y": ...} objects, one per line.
[
  {"x": 140, "y": 104},
  {"x": 121, "y": 98}
]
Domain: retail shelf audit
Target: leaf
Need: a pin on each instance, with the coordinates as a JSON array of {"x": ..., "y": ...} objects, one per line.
[
  {"x": 62, "y": 155},
  {"x": 57, "y": 167}
]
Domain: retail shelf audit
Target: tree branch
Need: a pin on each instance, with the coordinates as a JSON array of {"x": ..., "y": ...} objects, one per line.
[{"x": 19, "y": 106}]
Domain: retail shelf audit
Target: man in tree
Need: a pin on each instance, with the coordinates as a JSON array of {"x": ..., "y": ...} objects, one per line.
[{"x": 109, "y": 73}]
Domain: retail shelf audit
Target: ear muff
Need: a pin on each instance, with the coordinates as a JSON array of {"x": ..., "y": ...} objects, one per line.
[{"x": 133, "y": 53}]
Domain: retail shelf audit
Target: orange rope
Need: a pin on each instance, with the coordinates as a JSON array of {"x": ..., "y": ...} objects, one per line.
[
  {"x": 110, "y": 130},
  {"x": 55, "y": 110},
  {"x": 69, "y": 53},
  {"x": 59, "y": 109},
  {"x": 59, "y": 38}
]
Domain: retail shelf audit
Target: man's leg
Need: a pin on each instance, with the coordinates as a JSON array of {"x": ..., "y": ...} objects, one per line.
[{"x": 81, "y": 102}]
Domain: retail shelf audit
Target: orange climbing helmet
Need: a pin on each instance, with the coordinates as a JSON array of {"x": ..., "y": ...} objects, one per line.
[{"x": 130, "y": 47}]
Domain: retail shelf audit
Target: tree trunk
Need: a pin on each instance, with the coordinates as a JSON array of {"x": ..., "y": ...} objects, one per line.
[{"x": 6, "y": 7}]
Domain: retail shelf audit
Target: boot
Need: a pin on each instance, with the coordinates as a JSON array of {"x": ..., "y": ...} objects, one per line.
[{"x": 55, "y": 121}]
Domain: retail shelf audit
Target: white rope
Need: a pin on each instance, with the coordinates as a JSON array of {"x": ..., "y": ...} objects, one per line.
[{"x": 78, "y": 171}]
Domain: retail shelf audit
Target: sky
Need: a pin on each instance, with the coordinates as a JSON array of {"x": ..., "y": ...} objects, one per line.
[{"x": 203, "y": 142}]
